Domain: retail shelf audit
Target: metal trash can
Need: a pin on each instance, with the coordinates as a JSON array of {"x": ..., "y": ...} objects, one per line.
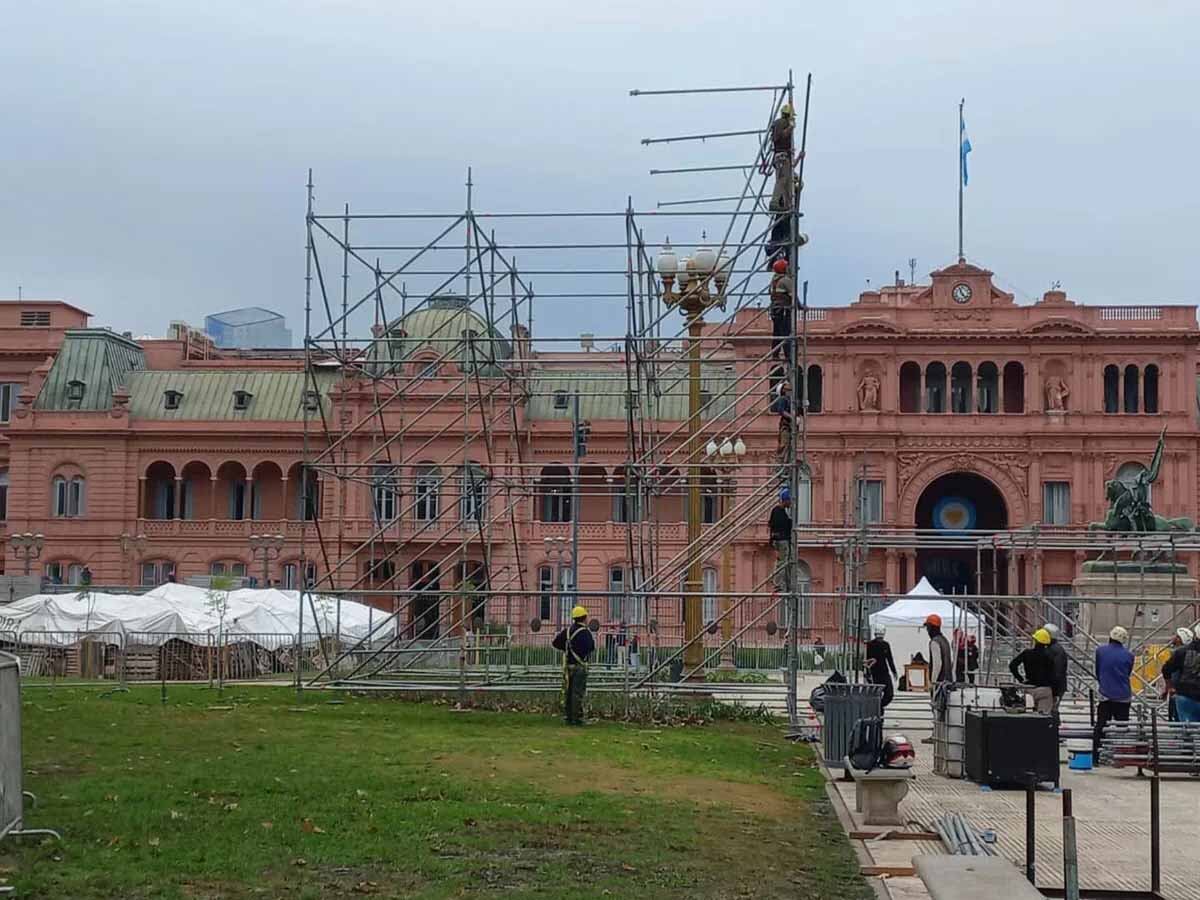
[{"x": 845, "y": 704}]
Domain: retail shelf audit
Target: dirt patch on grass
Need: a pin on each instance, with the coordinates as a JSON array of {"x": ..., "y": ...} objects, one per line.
[{"x": 595, "y": 775}]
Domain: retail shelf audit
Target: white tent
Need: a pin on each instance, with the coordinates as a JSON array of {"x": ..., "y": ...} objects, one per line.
[
  {"x": 903, "y": 620},
  {"x": 181, "y": 611}
]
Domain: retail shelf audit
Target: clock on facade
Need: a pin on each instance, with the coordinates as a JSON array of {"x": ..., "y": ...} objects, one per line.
[{"x": 961, "y": 292}]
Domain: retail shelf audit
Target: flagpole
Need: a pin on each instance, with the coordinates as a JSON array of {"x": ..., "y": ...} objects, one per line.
[{"x": 961, "y": 163}]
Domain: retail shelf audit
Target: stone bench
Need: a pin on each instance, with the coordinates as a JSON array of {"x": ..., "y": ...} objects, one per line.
[
  {"x": 877, "y": 794},
  {"x": 977, "y": 877}
]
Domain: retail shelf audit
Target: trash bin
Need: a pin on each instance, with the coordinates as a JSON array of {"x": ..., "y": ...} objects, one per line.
[{"x": 845, "y": 704}]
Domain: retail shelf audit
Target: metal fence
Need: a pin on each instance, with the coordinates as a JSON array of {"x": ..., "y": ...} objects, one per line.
[{"x": 11, "y": 798}]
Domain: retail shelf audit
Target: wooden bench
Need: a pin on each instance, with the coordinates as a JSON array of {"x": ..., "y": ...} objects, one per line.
[
  {"x": 977, "y": 877},
  {"x": 877, "y": 794}
]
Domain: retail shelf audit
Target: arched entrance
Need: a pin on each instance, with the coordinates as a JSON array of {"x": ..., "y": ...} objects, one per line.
[{"x": 961, "y": 504}]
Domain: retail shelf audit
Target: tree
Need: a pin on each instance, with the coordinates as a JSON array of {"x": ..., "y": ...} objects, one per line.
[{"x": 217, "y": 601}]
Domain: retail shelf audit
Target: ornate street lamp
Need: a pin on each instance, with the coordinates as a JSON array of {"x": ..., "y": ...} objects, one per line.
[
  {"x": 266, "y": 546},
  {"x": 27, "y": 546},
  {"x": 701, "y": 279}
]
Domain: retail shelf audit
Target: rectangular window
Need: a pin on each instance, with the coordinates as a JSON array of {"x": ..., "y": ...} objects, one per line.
[
  {"x": 8, "y": 400},
  {"x": 3, "y": 496},
  {"x": 566, "y": 587},
  {"x": 802, "y": 507},
  {"x": 217, "y": 569},
  {"x": 711, "y": 601},
  {"x": 871, "y": 500},
  {"x": 472, "y": 496},
  {"x": 156, "y": 573},
  {"x": 290, "y": 571},
  {"x": 1056, "y": 502},
  {"x": 616, "y": 596},
  {"x": 627, "y": 504},
  {"x": 556, "y": 504},
  {"x": 237, "y": 500},
  {"x": 545, "y": 592},
  {"x": 238, "y": 570}
]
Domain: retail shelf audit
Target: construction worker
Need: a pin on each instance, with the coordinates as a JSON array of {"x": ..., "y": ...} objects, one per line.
[
  {"x": 1058, "y": 656},
  {"x": 783, "y": 131},
  {"x": 880, "y": 666},
  {"x": 1034, "y": 668},
  {"x": 782, "y": 289},
  {"x": 941, "y": 663},
  {"x": 780, "y": 527},
  {"x": 782, "y": 407},
  {"x": 577, "y": 645},
  {"x": 1182, "y": 671},
  {"x": 1114, "y": 667},
  {"x": 1181, "y": 637}
]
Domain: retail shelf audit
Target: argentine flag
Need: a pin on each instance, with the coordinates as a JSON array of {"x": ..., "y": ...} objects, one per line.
[{"x": 964, "y": 145}]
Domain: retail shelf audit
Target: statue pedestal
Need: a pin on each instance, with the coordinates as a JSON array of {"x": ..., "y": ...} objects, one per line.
[{"x": 1142, "y": 599}]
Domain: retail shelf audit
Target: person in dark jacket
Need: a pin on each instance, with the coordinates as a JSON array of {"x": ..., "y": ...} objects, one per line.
[
  {"x": 1114, "y": 667},
  {"x": 577, "y": 645},
  {"x": 782, "y": 407},
  {"x": 1183, "y": 636},
  {"x": 1058, "y": 656},
  {"x": 880, "y": 666},
  {"x": 782, "y": 288},
  {"x": 1182, "y": 671},
  {"x": 941, "y": 663},
  {"x": 966, "y": 658},
  {"x": 1034, "y": 668},
  {"x": 780, "y": 527}
]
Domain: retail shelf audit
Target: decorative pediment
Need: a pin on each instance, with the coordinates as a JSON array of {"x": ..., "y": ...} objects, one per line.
[
  {"x": 871, "y": 327},
  {"x": 1058, "y": 326}
]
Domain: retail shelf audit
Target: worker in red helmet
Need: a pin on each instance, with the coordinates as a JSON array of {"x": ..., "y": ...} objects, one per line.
[
  {"x": 941, "y": 662},
  {"x": 783, "y": 290}
]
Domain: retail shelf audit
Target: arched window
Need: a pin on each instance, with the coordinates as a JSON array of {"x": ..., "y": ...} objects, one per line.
[
  {"x": 960, "y": 388},
  {"x": 231, "y": 568},
  {"x": 554, "y": 490},
  {"x": 67, "y": 496},
  {"x": 1129, "y": 472},
  {"x": 1112, "y": 389},
  {"x": 935, "y": 388},
  {"x": 989, "y": 388},
  {"x": 1014, "y": 387},
  {"x": 1150, "y": 389},
  {"x": 1131, "y": 388},
  {"x": 910, "y": 388},
  {"x": 154, "y": 572},
  {"x": 427, "y": 493},
  {"x": 385, "y": 493},
  {"x": 161, "y": 486},
  {"x": 65, "y": 572},
  {"x": 472, "y": 493},
  {"x": 814, "y": 387}
]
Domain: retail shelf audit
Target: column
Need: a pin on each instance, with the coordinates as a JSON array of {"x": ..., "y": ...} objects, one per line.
[
  {"x": 891, "y": 569},
  {"x": 248, "y": 500},
  {"x": 909, "y": 581},
  {"x": 1014, "y": 580},
  {"x": 179, "y": 505},
  {"x": 1035, "y": 488},
  {"x": 891, "y": 490},
  {"x": 143, "y": 509},
  {"x": 214, "y": 495}
]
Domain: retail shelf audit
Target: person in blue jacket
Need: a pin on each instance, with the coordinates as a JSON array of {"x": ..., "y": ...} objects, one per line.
[{"x": 1114, "y": 667}]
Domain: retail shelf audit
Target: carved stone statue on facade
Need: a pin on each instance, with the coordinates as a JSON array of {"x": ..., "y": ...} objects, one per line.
[
  {"x": 1057, "y": 393},
  {"x": 868, "y": 394},
  {"x": 1129, "y": 501}
]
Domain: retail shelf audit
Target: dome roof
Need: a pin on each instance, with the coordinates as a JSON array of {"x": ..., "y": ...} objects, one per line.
[{"x": 443, "y": 325}]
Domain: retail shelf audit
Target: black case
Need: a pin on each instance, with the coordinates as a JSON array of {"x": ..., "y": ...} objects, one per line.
[{"x": 1011, "y": 749}]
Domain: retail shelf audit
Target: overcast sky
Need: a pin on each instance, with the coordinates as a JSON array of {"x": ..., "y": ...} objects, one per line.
[{"x": 154, "y": 154}]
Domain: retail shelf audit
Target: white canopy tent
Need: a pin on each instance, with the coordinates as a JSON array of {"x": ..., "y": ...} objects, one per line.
[
  {"x": 903, "y": 620},
  {"x": 179, "y": 611}
]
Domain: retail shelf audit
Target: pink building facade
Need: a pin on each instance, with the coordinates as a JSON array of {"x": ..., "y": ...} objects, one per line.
[{"x": 942, "y": 405}]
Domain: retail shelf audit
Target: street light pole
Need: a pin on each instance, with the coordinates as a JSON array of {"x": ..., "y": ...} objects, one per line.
[
  {"x": 28, "y": 547},
  {"x": 695, "y": 274},
  {"x": 268, "y": 546},
  {"x": 723, "y": 457}
]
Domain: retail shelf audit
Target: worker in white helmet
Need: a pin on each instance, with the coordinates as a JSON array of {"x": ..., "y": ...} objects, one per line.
[
  {"x": 1114, "y": 666},
  {"x": 1180, "y": 638},
  {"x": 880, "y": 666}
]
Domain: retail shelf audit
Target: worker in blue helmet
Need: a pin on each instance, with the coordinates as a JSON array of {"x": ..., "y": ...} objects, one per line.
[{"x": 780, "y": 526}]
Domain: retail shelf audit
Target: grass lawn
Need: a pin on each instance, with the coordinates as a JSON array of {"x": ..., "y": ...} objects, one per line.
[{"x": 251, "y": 795}]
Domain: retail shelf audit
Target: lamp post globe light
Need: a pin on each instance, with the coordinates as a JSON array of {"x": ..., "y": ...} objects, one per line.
[
  {"x": 27, "y": 546},
  {"x": 266, "y": 547},
  {"x": 693, "y": 285}
]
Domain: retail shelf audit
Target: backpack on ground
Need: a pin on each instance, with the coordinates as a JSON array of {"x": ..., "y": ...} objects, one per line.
[{"x": 866, "y": 743}]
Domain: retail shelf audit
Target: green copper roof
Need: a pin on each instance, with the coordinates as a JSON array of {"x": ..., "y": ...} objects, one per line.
[
  {"x": 602, "y": 394},
  {"x": 209, "y": 396},
  {"x": 442, "y": 326},
  {"x": 97, "y": 361}
]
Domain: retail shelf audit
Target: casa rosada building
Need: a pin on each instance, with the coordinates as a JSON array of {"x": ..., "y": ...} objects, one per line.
[{"x": 939, "y": 405}]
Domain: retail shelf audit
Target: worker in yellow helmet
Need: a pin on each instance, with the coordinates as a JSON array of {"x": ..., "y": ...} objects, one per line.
[
  {"x": 1034, "y": 668},
  {"x": 577, "y": 645}
]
